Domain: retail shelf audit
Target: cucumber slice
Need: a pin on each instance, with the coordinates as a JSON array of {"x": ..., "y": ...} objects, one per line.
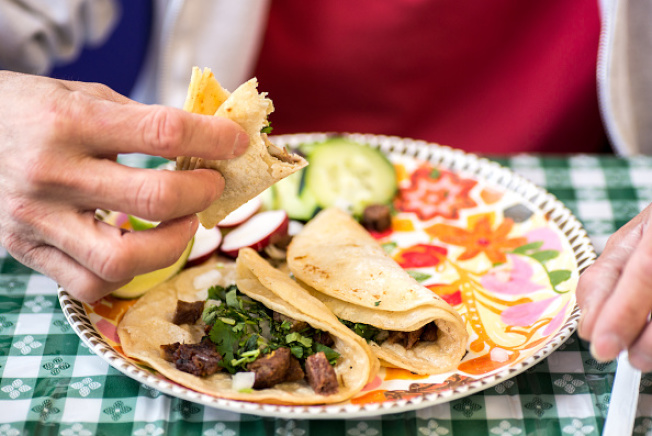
[
  {"x": 345, "y": 173},
  {"x": 299, "y": 203},
  {"x": 268, "y": 197}
]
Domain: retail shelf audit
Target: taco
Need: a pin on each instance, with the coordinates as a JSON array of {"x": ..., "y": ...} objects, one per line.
[
  {"x": 262, "y": 165},
  {"x": 246, "y": 331},
  {"x": 406, "y": 324}
]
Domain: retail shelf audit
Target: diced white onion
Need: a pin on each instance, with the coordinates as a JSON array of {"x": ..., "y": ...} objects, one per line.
[{"x": 243, "y": 380}]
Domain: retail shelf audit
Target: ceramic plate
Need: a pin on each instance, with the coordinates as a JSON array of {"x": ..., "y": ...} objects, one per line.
[{"x": 503, "y": 252}]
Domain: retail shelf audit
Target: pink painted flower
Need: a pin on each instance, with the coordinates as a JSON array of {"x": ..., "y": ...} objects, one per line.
[
  {"x": 526, "y": 314},
  {"x": 550, "y": 239},
  {"x": 556, "y": 321},
  {"x": 513, "y": 278}
]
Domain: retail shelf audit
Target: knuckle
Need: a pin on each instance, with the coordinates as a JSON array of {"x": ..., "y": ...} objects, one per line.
[
  {"x": 114, "y": 264},
  {"x": 14, "y": 244},
  {"x": 163, "y": 131},
  {"x": 20, "y": 210},
  {"x": 156, "y": 198}
]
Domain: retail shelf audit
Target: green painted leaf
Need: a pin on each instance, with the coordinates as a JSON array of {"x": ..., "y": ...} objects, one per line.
[
  {"x": 545, "y": 255},
  {"x": 418, "y": 275},
  {"x": 532, "y": 246},
  {"x": 389, "y": 247},
  {"x": 558, "y": 276}
]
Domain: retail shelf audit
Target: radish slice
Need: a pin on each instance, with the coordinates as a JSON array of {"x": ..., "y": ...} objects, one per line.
[
  {"x": 207, "y": 241},
  {"x": 256, "y": 232},
  {"x": 241, "y": 214}
]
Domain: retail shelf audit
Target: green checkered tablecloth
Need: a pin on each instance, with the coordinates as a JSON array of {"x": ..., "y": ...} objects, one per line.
[{"x": 50, "y": 383}]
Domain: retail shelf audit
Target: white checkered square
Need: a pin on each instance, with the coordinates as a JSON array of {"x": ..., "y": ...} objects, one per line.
[
  {"x": 150, "y": 409},
  {"x": 22, "y": 367},
  {"x": 213, "y": 414},
  {"x": 503, "y": 407},
  {"x": 39, "y": 284},
  {"x": 439, "y": 411},
  {"x": 82, "y": 410},
  {"x": 13, "y": 411},
  {"x": 575, "y": 406},
  {"x": 641, "y": 177},
  {"x": 587, "y": 177},
  {"x": 595, "y": 210},
  {"x": 534, "y": 175},
  {"x": 566, "y": 362},
  {"x": 33, "y": 324},
  {"x": 89, "y": 366}
]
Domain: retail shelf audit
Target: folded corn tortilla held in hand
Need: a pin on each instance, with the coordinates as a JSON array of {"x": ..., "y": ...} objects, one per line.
[
  {"x": 262, "y": 165},
  {"x": 406, "y": 324},
  {"x": 267, "y": 307}
]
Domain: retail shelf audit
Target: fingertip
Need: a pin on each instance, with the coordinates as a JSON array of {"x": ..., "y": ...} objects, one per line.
[
  {"x": 581, "y": 329},
  {"x": 606, "y": 347},
  {"x": 241, "y": 143},
  {"x": 640, "y": 361}
]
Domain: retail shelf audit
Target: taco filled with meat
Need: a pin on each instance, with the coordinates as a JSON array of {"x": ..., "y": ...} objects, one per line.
[
  {"x": 262, "y": 165},
  {"x": 246, "y": 331},
  {"x": 405, "y": 323}
]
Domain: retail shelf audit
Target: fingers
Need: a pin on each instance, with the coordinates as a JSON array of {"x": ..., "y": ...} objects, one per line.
[
  {"x": 598, "y": 282},
  {"x": 156, "y": 195},
  {"x": 640, "y": 354},
  {"x": 615, "y": 294},
  {"x": 152, "y": 130},
  {"x": 72, "y": 276},
  {"x": 113, "y": 255},
  {"x": 625, "y": 311}
]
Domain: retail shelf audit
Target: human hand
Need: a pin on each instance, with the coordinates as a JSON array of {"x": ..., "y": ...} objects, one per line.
[
  {"x": 615, "y": 295},
  {"x": 59, "y": 142}
]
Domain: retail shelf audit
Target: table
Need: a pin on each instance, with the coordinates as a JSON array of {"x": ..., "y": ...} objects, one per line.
[{"x": 50, "y": 383}]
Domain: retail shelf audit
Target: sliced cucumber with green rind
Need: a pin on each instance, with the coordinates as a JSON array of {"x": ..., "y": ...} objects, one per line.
[
  {"x": 299, "y": 203},
  {"x": 345, "y": 173}
]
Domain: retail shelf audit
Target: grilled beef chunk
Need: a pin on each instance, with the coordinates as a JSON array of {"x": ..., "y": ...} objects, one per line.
[
  {"x": 429, "y": 332},
  {"x": 376, "y": 218},
  {"x": 297, "y": 326},
  {"x": 197, "y": 359},
  {"x": 412, "y": 338},
  {"x": 321, "y": 375},
  {"x": 168, "y": 351},
  {"x": 295, "y": 372},
  {"x": 397, "y": 338},
  {"x": 188, "y": 312},
  {"x": 271, "y": 368},
  {"x": 324, "y": 338}
]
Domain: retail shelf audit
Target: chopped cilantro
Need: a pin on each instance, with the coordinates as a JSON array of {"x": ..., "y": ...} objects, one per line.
[
  {"x": 331, "y": 354},
  {"x": 244, "y": 330},
  {"x": 267, "y": 129},
  {"x": 297, "y": 337},
  {"x": 232, "y": 299},
  {"x": 226, "y": 342},
  {"x": 366, "y": 331},
  {"x": 377, "y": 303}
]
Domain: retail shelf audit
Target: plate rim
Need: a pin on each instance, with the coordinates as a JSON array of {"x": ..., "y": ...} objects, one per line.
[{"x": 454, "y": 159}]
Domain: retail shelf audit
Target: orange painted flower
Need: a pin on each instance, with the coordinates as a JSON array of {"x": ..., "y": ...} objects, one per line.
[
  {"x": 434, "y": 192},
  {"x": 420, "y": 256},
  {"x": 480, "y": 238}
]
